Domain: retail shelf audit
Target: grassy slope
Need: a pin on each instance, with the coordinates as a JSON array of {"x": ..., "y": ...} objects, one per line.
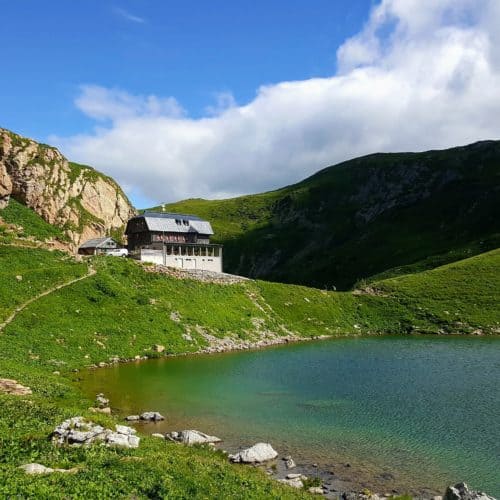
[
  {"x": 363, "y": 217},
  {"x": 454, "y": 297},
  {"x": 122, "y": 311},
  {"x": 32, "y": 224},
  {"x": 25, "y": 273},
  {"x": 92, "y": 315}
]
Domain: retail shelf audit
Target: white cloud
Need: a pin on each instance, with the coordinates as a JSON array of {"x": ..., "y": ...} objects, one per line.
[
  {"x": 128, "y": 16},
  {"x": 114, "y": 104},
  {"x": 223, "y": 102},
  {"x": 421, "y": 74}
]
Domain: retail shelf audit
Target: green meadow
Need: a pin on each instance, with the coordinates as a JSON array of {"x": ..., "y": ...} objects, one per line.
[{"x": 123, "y": 311}]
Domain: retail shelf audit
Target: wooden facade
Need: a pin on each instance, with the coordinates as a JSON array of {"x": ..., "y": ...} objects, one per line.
[{"x": 173, "y": 239}]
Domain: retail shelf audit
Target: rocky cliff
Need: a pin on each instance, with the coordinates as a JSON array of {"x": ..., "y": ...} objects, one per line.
[{"x": 78, "y": 199}]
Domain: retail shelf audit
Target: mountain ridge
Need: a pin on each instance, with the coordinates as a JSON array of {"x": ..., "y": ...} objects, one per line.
[
  {"x": 361, "y": 217},
  {"x": 345, "y": 223},
  {"x": 62, "y": 315}
]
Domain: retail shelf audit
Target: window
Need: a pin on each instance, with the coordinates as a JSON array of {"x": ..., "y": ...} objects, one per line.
[
  {"x": 178, "y": 222},
  {"x": 185, "y": 222}
]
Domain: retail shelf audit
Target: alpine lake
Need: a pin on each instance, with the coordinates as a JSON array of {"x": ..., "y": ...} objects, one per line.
[{"x": 389, "y": 414}]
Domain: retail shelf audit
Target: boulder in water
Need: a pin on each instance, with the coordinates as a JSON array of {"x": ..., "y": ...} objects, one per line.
[
  {"x": 461, "y": 492},
  {"x": 152, "y": 416}
]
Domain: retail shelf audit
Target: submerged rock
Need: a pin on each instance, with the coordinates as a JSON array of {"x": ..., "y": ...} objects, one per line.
[
  {"x": 461, "y": 492},
  {"x": 289, "y": 462},
  {"x": 190, "y": 437},
  {"x": 132, "y": 418},
  {"x": 258, "y": 453},
  {"x": 315, "y": 490}
]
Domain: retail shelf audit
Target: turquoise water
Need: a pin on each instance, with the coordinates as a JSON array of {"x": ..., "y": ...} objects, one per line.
[{"x": 405, "y": 413}]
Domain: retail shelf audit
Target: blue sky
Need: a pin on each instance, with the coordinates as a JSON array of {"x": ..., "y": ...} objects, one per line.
[
  {"x": 188, "y": 49},
  {"x": 220, "y": 98}
]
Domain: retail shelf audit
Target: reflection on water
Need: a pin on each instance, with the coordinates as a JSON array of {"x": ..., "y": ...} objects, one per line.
[{"x": 408, "y": 411}]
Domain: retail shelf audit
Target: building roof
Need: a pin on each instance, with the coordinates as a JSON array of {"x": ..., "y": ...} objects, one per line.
[
  {"x": 96, "y": 242},
  {"x": 170, "y": 215},
  {"x": 175, "y": 223}
]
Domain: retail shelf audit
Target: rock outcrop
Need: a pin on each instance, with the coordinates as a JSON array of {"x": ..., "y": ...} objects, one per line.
[
  {"x": 9, "y": 386},
  {"x": 77, "y": 431},
  {"x": 83, "y": 202}
]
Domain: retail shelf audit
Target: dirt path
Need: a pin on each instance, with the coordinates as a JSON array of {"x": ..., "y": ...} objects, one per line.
[{"x": 23, "y": 306}]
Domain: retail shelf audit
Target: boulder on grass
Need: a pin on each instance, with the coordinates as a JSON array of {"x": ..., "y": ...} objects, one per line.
[
  {"x": 41, "y": 469},
  {"x": 191, "y": 437},
  {"x": 258, "y": 453}
]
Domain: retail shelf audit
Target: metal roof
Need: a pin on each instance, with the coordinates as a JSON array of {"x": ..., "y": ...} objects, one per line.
[
  {"x": 167, "y": 222},
  {"x": 96, "y": 242},
  {"x": 170, "y": 215}
]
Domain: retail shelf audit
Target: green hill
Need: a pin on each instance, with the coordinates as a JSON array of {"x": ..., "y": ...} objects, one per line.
[
  {"x": 69, "y": 315},
  {"x": 60, "y": 315},
  {"x": 363, "y": 217}
]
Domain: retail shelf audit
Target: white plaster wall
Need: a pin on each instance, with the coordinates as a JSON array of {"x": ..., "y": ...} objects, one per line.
[{"x": 183, "y": 261}]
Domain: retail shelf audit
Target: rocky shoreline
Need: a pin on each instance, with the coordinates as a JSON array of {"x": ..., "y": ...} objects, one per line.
[
  {"x": 335, "y": 482},
  {"x": 346, "y": 481},
  {"x": 221, "y": 346}
]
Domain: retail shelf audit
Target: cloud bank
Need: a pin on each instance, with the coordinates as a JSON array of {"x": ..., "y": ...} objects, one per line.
[{"x": 421, "y": 74}]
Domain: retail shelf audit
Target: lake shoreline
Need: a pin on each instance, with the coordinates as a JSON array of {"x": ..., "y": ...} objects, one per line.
[
  {"x": 344, "y": 473},
  {"x": 230, "y": 346}
]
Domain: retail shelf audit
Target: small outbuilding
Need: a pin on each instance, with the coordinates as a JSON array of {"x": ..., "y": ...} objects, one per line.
[{"x": 98, "y": 246}]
